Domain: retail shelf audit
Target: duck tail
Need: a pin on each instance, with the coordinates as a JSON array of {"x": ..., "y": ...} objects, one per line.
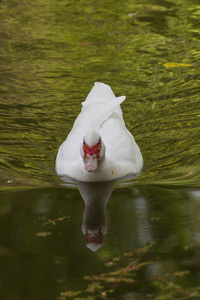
[{"x": 100, "y": 91}]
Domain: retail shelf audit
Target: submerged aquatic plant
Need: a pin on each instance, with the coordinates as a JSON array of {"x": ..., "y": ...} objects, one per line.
[{"x": 126, "y": 282}]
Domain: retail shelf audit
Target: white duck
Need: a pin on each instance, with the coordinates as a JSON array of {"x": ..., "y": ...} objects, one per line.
[{"x": 99, "y": 146}]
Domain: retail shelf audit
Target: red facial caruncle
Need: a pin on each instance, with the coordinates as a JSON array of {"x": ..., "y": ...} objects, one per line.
[
  {"x": 91, "y": 156},
  {"x": 94, "y": 236},
  {"x": 95, "y": 149}
]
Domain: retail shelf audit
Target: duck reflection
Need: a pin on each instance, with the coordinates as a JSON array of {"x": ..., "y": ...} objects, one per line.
[{"x": 94, "y": 226}]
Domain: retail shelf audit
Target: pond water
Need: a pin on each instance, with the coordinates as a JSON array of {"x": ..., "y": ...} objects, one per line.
[{"x": 51, "y": 54}]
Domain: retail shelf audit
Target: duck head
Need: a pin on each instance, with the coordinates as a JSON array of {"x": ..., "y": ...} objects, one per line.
[
  {"x": 92, "y": 151},
  {"x": 94, "y": 238}
]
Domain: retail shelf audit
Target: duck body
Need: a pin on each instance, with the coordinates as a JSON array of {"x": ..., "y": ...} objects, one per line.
[{"x": 101, "y": 120}]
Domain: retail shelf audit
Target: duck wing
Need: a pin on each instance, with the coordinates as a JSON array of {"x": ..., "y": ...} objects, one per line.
[
  {"x": 94, "y": 114},
  {"x": 99, "y": 105}
]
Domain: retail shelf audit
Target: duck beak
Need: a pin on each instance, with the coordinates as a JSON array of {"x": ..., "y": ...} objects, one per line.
[{"x": 91, "y": 163}]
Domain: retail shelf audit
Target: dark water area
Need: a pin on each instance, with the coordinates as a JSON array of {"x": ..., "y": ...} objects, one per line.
[
  {"x": 51, "y": 54},
  {"x": 44, "y": 256}
]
